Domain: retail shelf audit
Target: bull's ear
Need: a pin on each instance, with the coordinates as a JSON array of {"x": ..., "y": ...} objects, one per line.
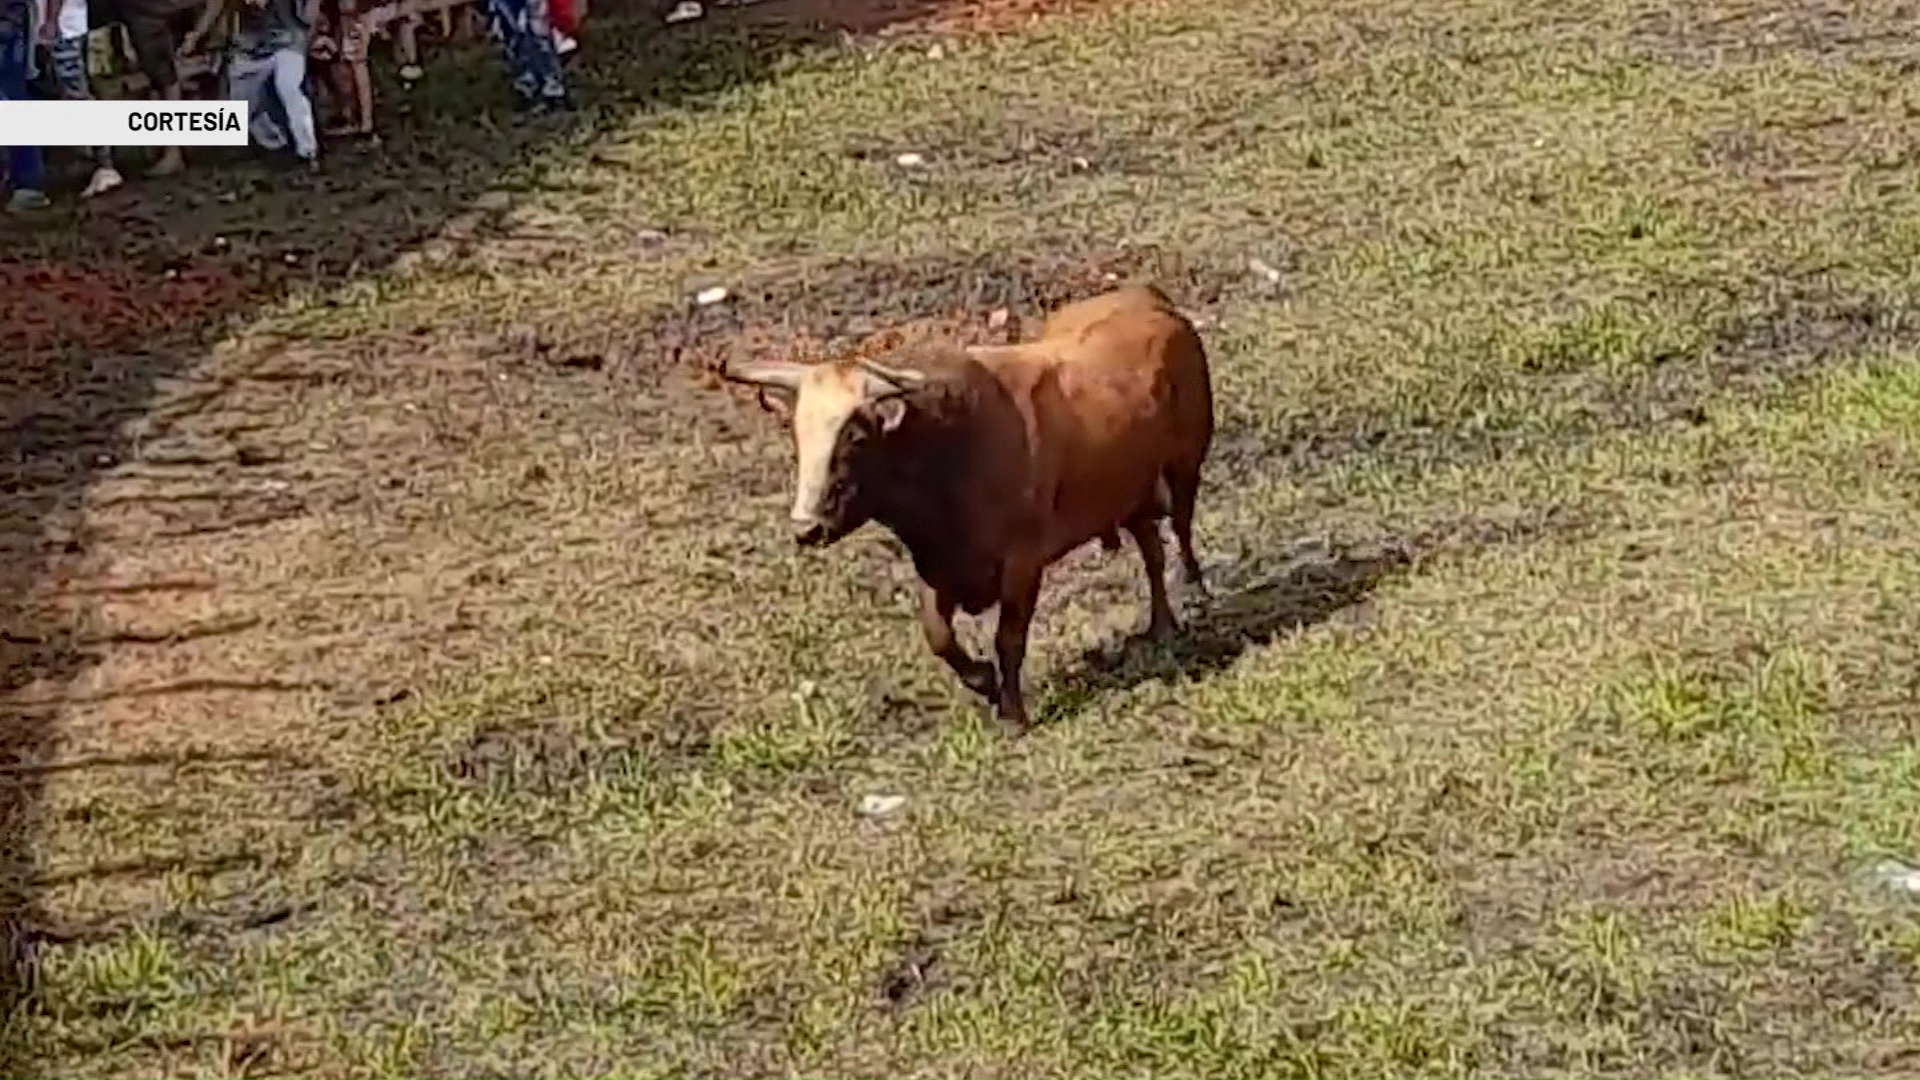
[{"x": 891, "y": 411}]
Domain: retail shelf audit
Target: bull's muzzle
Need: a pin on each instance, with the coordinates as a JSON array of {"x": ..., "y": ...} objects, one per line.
[{"x": 809, "y": 531}]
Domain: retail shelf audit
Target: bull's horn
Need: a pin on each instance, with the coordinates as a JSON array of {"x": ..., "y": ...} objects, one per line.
[
  {"x": 901, "y": 378},
  {"x": 776, "y": 374}
]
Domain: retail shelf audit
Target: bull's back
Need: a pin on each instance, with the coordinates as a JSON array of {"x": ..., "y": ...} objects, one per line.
[
  {"x": 1119, "y": 403},
  {"x": 1076, "y": 319},
  {"x": 1140, "y": 372}
]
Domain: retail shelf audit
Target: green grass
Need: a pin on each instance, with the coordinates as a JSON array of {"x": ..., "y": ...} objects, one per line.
[{"x": 1557, "y": 694}]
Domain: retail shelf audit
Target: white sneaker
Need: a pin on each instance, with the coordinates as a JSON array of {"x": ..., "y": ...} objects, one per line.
[
  {"x": 563, "y": 44},
  {"x": 105, "y": 179}
]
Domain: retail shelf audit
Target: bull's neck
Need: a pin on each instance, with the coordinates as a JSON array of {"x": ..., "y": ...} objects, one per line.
[
  {"x": 921, "y": 499},
  {"x": 929, "y": 525}
]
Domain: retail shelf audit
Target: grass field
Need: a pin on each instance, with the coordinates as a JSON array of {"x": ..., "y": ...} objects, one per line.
[{"x": 411, "y": 671}]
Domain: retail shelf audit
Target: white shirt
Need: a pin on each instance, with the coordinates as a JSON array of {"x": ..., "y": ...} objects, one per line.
[{"x": 73, "y": 18}]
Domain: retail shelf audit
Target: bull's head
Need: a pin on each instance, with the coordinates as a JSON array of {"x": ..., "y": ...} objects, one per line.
[{"x": 840, "y": 414}]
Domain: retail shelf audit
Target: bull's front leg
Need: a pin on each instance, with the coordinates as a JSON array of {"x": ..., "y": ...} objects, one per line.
[
  {"x": 1019, "y": 593},
  {"x": 936, "y": 622}
]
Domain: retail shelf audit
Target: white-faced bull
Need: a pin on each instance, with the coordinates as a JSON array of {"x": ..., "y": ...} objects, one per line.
[{"x": 989, "y": 463}]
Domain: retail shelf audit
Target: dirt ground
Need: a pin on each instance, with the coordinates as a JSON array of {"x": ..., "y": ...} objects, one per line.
[{"x": 406, "y": 670}]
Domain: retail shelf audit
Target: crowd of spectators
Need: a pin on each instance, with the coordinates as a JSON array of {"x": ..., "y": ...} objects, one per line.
[{"x": 301, "y": 64}]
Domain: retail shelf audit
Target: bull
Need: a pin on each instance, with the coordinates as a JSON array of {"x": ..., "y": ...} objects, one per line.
[{"x": 990, "y": 463}]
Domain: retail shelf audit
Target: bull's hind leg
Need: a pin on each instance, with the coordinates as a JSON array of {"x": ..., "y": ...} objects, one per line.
[
  {"x": 936, "y": 622},
  {"x": 1019, "y": 592},
  {"x": 1146, "y": 534},
  {"x": 1183, "y": 488}
]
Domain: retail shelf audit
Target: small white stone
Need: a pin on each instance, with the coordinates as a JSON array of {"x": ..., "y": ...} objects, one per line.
[
  {"x": 909, "y": 161},
  {"x": 682, "y": 12},
  {"x": 1897, "y": 876},
  {"x": 1259, "y": 266},
  {"x": 712, "y": 295},
  {"x": 936, "y": 53},
  {"x": 881, "y": 805},
  {"x": 999, "y": 319}
]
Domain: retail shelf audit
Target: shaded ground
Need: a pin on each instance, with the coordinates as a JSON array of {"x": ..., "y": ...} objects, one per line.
[{"x": 437, "y": 693}]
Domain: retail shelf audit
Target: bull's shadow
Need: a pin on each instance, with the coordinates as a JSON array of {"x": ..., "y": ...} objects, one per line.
[{"x": 1256, "y": 599}]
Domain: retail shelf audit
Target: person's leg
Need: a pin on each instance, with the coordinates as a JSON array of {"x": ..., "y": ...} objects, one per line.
[
  {"x": 246, "y": 79},
  {"x": 362, "y": 95},
  {"x": 289, "y": 67},
  {"x": 153, "y": 45},
  {"x": 542, "y": 59},
  {"x": 26, "y": 170},
  {"x": 509, "y": 18},
  {"x": 69, "y": 55},
  {"x": 406, "y": 43},
  {"x": 335, "y": 84},
  {"x": 356, "y": 78}
]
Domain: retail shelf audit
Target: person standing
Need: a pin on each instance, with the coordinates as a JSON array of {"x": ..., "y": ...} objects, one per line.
[
  {"x": 269, "y": 44},
  {"x": 526, "y": 37},
  {"x": 340, "y": 44},
  {"x": 69, "y": 55},
  {"x": 19, "y": 31},
  {"x": 149, "y": 26}
]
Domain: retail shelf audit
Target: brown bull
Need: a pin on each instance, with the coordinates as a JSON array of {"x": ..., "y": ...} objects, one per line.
[{"x": 989, "y": 463}]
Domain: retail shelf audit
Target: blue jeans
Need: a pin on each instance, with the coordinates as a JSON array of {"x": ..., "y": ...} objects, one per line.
[
  {"x": 69, "y": 56},
  {"x": 248, "y": 77},
  {"x": 25, "y": 167},
  {"x": 526, "y": 36}
]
